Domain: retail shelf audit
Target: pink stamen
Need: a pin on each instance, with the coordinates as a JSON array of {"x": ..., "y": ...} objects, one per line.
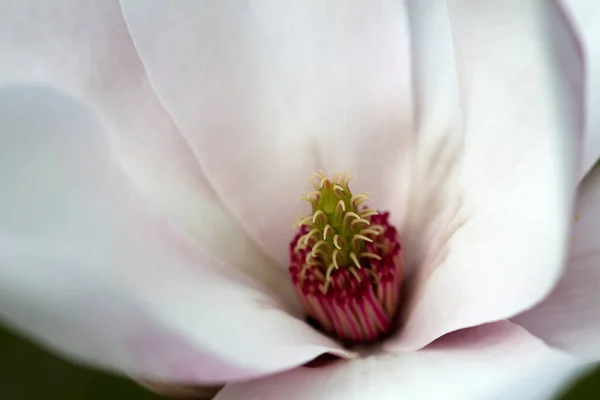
[{"x": 358, "y": 305}]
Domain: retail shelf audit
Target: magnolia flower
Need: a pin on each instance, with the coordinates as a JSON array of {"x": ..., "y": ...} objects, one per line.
[{"x": 152, "y": 153}]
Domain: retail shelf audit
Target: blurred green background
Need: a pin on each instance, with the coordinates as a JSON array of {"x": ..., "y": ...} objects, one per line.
[{"x": 27, "y": 372}]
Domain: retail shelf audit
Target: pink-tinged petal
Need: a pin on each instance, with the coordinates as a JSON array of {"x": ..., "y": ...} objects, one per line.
[
  {"x": 570, "y": 317},
  {"x": 87, "y": 269},
  {"x": 500, "y": 361},
  {"x": 268, "y": 92},
  {"x": 489, "y": 219},
  {"x": 584, "y": 15},
  {"x": 175, "y": 391},
  {"x": 84, "y": 48}
]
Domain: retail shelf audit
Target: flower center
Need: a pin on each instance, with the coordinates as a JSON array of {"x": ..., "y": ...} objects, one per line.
[{"x": 345, "y": 264}]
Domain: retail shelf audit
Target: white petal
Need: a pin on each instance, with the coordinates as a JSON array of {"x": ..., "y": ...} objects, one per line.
[
  {"x": 489, "y": 222},
  {"x": 84, "y": 48},
  {"x": 500, "y": 361},
  {"x": 584, "y": 15},
  {"x": 268, "y": 92},
  {"x": 570, "y": 317},
  {"x": 86, "y": 268}
]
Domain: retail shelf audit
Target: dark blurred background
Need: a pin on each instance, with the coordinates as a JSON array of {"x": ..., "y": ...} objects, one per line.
[{"x": 28, "y": 372}]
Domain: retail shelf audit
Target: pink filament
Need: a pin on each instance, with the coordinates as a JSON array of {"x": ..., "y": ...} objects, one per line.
[{"x": 350, "y": 309}]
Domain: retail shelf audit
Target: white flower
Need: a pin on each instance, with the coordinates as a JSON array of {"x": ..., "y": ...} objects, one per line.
[{"x": 152, "y": 152}]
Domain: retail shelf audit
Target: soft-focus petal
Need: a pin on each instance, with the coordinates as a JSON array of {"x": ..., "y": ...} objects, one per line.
[
  {"x": 268, "y": 92},
  {"x": 176, "y": 391},
  {"x": 87, "y": 269},
  {"x": 497, "y": 182},
  {"x": 83, "y": 47},
  {"x": 500, "y": 361},
  {"x": 570, "y": 317},
  {"x": 584, "y": 14}
]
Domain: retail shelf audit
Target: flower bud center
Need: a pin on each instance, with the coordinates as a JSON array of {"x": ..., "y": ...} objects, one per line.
[{"x": 345, "y": 264}]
